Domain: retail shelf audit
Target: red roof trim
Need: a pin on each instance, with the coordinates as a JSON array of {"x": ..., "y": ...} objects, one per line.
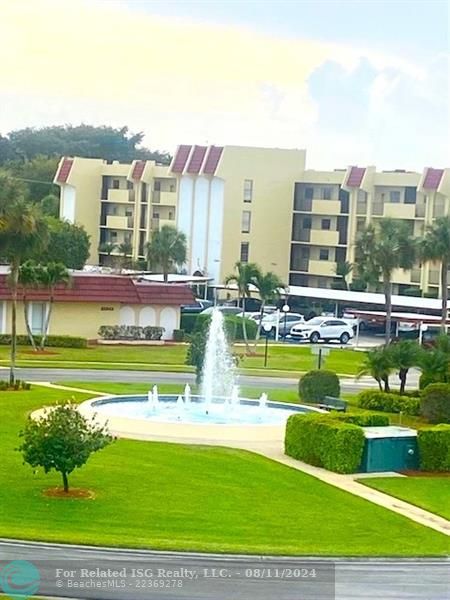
[
  {"x": 196, "y": 161},
  {"x": 212, "y": 160},
  {"x": 181, "y": 157},
  {"x": 433, "y": 178},
  {"x": 356, "y": 176},
  {"x": 138, "y": 169},
  {"x": 65, "y": 169}
]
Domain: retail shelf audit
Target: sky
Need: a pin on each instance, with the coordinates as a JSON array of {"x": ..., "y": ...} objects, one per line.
[{"x": 361, "y": 82}]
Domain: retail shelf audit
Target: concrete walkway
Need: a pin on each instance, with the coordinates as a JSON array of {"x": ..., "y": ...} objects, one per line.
[{"x": 275, "y": 451}]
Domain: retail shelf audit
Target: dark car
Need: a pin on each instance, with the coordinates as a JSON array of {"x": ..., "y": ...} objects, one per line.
[
  {"x": 196, "y": 308},
  {"x": 251, "y": 304}
]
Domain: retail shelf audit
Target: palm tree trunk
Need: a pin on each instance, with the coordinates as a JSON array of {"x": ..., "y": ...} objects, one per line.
[
  {"x": 26, "y": 307},
  {"x": 444, "y": 293},
  {"x": 388, "y": 301},
  {"x": 47, "y": 321},
  {"x": 13, "y": 352},
  {"x": 258, "y": 331},
  {"x": 244, "y": 326}
]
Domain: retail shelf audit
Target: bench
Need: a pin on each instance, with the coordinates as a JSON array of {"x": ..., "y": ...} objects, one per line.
[{"x": 331, "y": 403}]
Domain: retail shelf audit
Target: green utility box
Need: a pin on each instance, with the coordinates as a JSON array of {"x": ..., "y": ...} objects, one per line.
[{"x": 389, "y": 449}]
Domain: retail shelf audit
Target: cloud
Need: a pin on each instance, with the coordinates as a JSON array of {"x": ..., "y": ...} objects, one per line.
[{"x": 176, "y": 79}]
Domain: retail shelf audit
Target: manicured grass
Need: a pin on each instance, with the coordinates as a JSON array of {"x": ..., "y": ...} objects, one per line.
[
  {"x": 181, "y": 497},
  {"x": 431, "y": 493},
  {"x": 284, "y": 359}
]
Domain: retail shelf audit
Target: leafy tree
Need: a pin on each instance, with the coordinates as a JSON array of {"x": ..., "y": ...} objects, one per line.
[
  {"x": 166, "y": 250},
  {"x": 125, "y": 249},
  {"x": 269, "y": 287},
  {"x": 244, "y": 276},
  {"x": 436, "y": 248},
  {"x": 378, "y": 364},
  {"x": 23, "y": 233},
  {"x": 62, "y": 439},
  {"x": 49, "y": 277},
  {"x": 68, "y": 242},
  {"x": 434, "y": 364},
  {"x": 404, "y": 355},
  {"x": 37, "y": 175},
  {"x": 343, "y": 270},
  {"x": 196, "y": 352},
  {"x": 382, "y": 249},
  {"x": 50, "y": 206}
]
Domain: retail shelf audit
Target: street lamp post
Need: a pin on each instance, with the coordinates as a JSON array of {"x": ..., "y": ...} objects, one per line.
[
  {"x": 267, "y": 329},
  {"x": 286, "y": 308}
]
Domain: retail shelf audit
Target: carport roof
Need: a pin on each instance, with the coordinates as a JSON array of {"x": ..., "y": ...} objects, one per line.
[{"x": 404, "y": 317}]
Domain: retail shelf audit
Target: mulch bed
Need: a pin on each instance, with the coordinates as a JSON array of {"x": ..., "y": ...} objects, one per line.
[{"x": 73, "y": 493}]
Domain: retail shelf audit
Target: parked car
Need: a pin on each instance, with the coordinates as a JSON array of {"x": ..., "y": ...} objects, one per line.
[
  {"x": 251, "y": 304},
  {"x": 226, "y": 310},
  {"x": 322, "y": 328},
  {"x": 196, "y": 308},
  {"x": 286, "y": 322}
]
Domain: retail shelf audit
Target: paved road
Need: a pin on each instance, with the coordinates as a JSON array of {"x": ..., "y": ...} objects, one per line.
[
  {"x": 151, "y": 377},
  {"x": 221, "y": 577}
]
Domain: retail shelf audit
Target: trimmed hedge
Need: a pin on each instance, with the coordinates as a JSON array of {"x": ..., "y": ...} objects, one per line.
[
  {"x": 369, "y": 420},
  {"x": 323, "y": 441},
  {"x": 316, "y": 384},
  {"x": 130, "y": 332},
  {"x": 389, "y": 402},
  {"x": 57, "y": 341},
  {"x": 178, "y": 335},
  {"x": 233, "y": 326},
  {"x": 19, "y": 384},
  {"x": 188, "y": 322},
  {"x": 435, "y": 403},
  {"x": 434, "y": 448}
]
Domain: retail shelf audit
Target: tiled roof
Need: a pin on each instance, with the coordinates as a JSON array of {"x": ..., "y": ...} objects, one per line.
[
  {"x": 138, "y": 169},
  {"x": 356, "y": 176},
  {"x": 108, "y": 288},
  {"x": 196, "y": 161},
  {"x": 212, "y": 160},
  {"x": 64, "y": 170},
  {"x": 433, "y": 178},
  {"x": 180, "y": 159}
]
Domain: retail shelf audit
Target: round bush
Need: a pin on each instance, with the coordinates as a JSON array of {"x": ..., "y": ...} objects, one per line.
[
  {"x": 315, "y": 385},
  {"x": 435, "y": 403}
]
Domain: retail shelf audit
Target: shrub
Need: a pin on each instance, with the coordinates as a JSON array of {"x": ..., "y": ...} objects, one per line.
[
  {"x": 153, "y": 333},
  {"x": 233, "y": 326},
  {"x": 434, "y": 448},
  {"x": 19, "y": 384},
  {"x": 323, "y": 441},
  {"x": 388, "y": 402},
  {"x": 315, "y": 385},
  {"x": 363, "y": 420},
  {"x": 130, "y": 332},
  {"x": 188, "y": 322},
  {"x": 178, "y": 335},
  {"x": 435, "y": 403},
  {"x": 57, "y": 341}
]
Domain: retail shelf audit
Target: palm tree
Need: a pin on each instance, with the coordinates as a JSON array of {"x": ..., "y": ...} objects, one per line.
[
  {"x": 23, "y": 234},
  {"x": 166, "y": 250},
  {"x": 125, "y": 249},
  {"x": 436, "y": 248},
  {"x": 244, "y": 276},
  {"x": 52, "y": 275},
  {"x": 269, "y": 287},
  {"x": 378, "y": 364},
  {"x": 404, "y": 355},
  {"x": 29, "y": 277},
  {"x": 382, "y": 249},
  {"x": 107, "y": 247},
  {"x": 343, "y": 270}
]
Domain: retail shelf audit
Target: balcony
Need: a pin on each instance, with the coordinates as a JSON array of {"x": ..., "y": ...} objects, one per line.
[
  {"x": 158, "y": 223},
  {"x": 326, "y": 207},
  {"x": 116, "y": 222},
  {"x": 120, "y": 196},
  {"x": 167, "y": 198},
  {"x": 322, "y": 267},
  {"x": 399, "y": 211},
  {"x": 324, "y": 237}
]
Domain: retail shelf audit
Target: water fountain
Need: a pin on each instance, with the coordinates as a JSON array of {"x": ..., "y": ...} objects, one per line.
[{"x": 218, "y": 404}]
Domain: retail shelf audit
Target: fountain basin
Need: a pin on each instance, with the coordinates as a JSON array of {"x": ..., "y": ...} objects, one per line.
[{"x": 219, "y": 422}]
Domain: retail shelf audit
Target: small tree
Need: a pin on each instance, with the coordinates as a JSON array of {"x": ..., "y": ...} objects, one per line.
[
  {"x": 196, "y": 352},
  {"x": 244, "y": 276},
  {"x": 166, "y": 250},
  {"x": 62, "y": 439},
  {"x": 378, "y": 364},
  {"x": 343, "y": 270},
  {"x": 404, "y": 355},
  {"x": 49, "y": 277},
  {"x": 269, "y": 287},
  {"x": 29, "y": 277}
]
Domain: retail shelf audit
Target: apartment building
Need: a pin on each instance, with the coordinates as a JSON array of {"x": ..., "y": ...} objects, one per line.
[
  {"x": 250, "y": 204},
  {"x": 330, "y": 208}
]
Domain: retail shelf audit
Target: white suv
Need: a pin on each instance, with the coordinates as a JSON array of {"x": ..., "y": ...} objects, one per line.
[{"x": 322, "y": 328}]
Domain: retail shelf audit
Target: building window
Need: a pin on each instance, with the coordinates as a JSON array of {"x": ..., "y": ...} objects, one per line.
[
  {"x": 246, "y": 219},
  {"x": 37, "y": 317},
  {"x": 324, "y": 254},
  {"x": 309, "y": 193},
  {"x": 129, "y": 185},
  {"x": 326, "y": 224},
  {"x": 360, "y": 225},
  {"x": 116, "y": 184},
  {"x": 157, "y": 186},
  {"x": 170, "y": 215},
  {"x": 114, "y": 234},
  {"x": 410, "y": 195},
  {"x": 244, "y": 252},
  {"x": 394, "y": 197},
  {"x": 307, "y": 223},
  {"x": 326, "y": 193},
  {"x": 171, "y": 187},
  {"x": 248, "y": 190}
]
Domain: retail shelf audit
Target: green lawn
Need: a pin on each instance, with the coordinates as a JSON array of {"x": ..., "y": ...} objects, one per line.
[
  {"x": 284, "y": 359},
  {"x": 169, "y": 496},
  {"x": 431, "y": 493}
]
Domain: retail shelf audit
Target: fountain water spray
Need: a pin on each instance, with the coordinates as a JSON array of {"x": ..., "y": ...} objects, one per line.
[
  {"x": 180, "y": 407},
  {"x": 155, "y": 403},
  {"x": 187, "y": 394},
  {"x": 218, "y": 377}
]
